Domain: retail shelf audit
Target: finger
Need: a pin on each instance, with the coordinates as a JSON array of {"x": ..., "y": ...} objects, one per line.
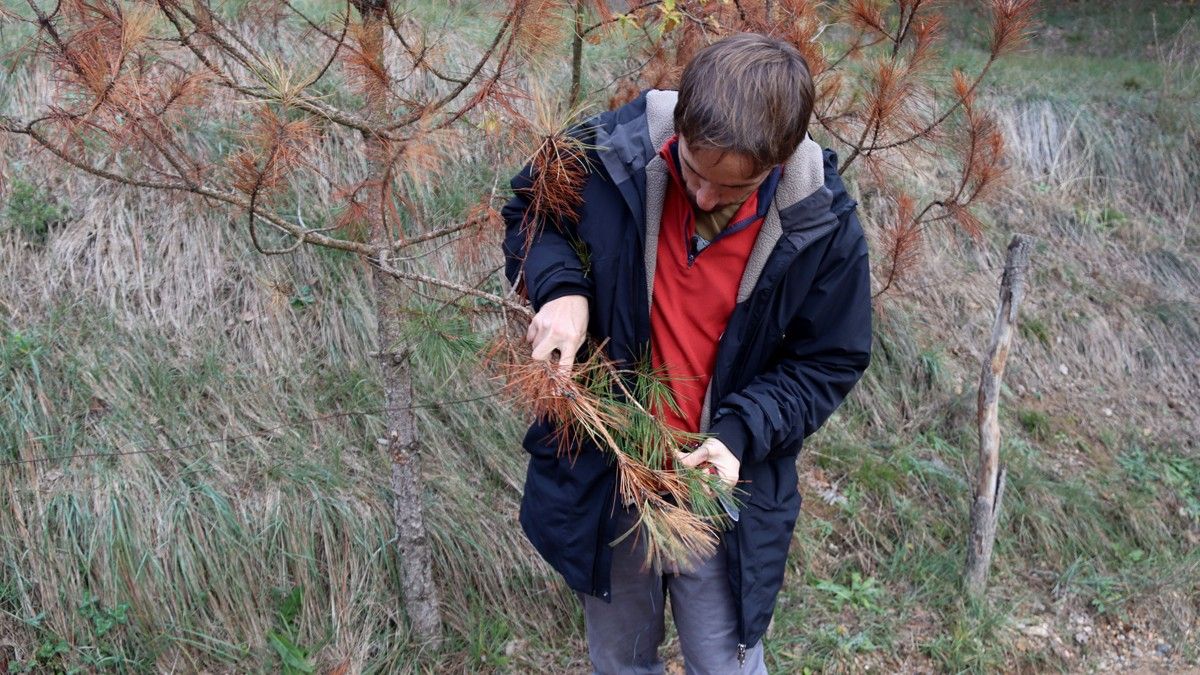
[
  {"x": 542, "y": 349},
  {"x": 576, "y": 343},
  {"x": 694, "y": 459},
  {"x": 728, "y": 473},
  {"x": 566, "y": 357}
]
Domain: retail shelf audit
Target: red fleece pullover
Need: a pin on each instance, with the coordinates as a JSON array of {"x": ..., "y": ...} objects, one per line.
[{"x": 695, "y": 291}]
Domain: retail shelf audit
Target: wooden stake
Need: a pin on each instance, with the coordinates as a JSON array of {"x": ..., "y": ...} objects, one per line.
[{"x": 989, "y": 482}]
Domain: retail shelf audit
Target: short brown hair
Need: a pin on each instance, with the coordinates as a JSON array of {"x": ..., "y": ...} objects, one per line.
[{"x": 746, "y": 93}]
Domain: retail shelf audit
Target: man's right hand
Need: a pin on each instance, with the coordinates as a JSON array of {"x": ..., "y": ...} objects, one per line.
[{"x": 561, "y": 325}]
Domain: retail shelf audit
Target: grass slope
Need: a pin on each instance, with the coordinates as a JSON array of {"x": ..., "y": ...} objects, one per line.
[{"x": 133, "y": 322}]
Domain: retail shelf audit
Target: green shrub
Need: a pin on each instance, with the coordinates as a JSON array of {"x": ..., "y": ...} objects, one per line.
[{"x": 32, "y": 212}]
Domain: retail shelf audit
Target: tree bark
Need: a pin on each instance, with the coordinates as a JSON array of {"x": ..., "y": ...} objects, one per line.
[
  {"x": 421, "y": 602},
  {"x": 989, "y": 482},
  {"x": 576, "y": 57},
  {"x": 416, "y": 560}
]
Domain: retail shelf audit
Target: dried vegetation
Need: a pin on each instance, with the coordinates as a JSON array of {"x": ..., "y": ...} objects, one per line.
[{"x": 134, "y": 320}]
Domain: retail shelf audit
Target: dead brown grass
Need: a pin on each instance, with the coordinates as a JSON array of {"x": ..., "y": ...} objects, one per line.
[{"x": 194, "y": 542}]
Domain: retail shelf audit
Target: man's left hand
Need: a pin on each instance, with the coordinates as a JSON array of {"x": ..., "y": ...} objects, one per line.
[{"x": 715, "y": 453}]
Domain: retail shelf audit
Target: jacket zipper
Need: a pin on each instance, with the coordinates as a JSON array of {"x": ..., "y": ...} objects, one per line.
[
  {"x": 741, "y": 648},
  {"x": 604, "y": 535},
  {"x": 740, "y": 358}
]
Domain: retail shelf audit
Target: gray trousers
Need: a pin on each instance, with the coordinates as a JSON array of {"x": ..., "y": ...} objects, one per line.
[{"x": 623, "y": 636}]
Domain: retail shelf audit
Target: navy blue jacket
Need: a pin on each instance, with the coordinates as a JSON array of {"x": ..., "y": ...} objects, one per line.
[{"x": 797, "y": 341}]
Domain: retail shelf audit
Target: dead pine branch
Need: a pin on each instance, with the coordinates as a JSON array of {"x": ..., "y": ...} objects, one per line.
[{"x": 989, "y": 482}]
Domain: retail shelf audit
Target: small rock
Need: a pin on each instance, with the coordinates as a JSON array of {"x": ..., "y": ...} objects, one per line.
[
  {"x": 1041, "y": 630},
  {"x": 1062, "y": 368},
  {"x": 1108, "y": 412},
  {"x": 1082, "y": 637},
  {"x": 833, "y": 497},
  {"x": 1163, "y": 649}
]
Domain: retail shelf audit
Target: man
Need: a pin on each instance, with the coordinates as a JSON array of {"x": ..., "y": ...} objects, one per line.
[{"x": 721, "y": 241}]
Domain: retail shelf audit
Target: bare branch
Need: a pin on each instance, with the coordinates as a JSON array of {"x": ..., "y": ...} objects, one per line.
[
  {"x": 386, "y": 268},
  {"x": 418, "y": 56},
  {"x": 313, "y": 106},
  {"x": 434, "y": 234},
  {"x": 232, "y": 198},
  {"x": 422, "y": 111}
]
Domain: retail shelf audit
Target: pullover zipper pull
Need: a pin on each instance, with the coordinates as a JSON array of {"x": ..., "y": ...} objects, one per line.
[{"x": 741, "y": 656}]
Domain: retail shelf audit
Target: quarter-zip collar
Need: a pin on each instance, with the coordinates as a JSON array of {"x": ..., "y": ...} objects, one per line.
[{"x": 744, "y": 217}]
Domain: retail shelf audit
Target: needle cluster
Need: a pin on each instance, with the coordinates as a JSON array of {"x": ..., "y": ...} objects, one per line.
[{"x": 597, "y": 406}]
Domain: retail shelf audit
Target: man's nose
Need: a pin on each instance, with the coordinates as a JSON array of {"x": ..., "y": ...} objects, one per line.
[{"x": 706, "y": 198}]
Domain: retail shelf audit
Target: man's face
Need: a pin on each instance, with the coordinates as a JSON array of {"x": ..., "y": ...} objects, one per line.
[{"x": 716, "y": 178}]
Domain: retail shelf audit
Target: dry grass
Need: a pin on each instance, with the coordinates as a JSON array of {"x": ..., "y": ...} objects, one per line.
[{"x": 145, "y": 321}]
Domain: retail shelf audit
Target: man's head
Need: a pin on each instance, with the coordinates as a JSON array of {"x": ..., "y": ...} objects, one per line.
[{"x": 744, "y": 105}]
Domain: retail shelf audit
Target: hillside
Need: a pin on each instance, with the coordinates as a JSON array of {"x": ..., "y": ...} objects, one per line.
[{"x": 231, "y": 510}]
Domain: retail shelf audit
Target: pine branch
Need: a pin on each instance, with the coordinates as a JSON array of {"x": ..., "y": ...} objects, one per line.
[
  {"x": 315, "y": 107},
  {"x": 436, "y": 233},
  {"x": 680, "y": 515},
  {"x": 420, "y": 112},
  {"x": 309, "y": 236},
  {"x": 383, "y": 264}
]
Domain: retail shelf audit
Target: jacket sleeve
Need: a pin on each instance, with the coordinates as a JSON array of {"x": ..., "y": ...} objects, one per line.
[
  {"x": 551, "y": 268},
  {"x": 825, "y": 351}
]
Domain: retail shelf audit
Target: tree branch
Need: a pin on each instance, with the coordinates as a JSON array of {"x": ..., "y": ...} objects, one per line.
[
  {"x": 422, "y": 111},
  {"x": 614, "y": 19},
  {"x": 386, "y": 268},
  {"x": 315, "y": 107},
  {"x": 232, "y": 198}
]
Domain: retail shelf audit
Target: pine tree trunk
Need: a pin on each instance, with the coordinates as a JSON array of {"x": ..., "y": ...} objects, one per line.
[
  {"x": 989, "y": 482},
  {"x": 576, "y": 56},
  {"x": 412, "y": 544},
  {"x": 401, "y": 441}
]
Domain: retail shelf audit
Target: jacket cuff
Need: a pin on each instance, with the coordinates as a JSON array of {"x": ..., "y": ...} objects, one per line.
[
  {"x": 564, "y": 290},
  {"x": 731, "y": 431}
]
